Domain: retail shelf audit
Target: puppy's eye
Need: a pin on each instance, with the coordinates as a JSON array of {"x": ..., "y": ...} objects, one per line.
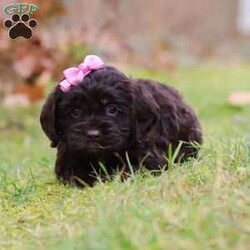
[
  {"x": 76, "y": 113},
  {"x": 111, "y": 110}
]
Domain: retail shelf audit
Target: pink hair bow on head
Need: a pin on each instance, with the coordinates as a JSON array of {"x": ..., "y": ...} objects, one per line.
[{"x": 73, "y": 76}]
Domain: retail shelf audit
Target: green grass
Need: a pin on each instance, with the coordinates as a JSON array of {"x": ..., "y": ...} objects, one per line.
[{"x": 202, "y": 204}]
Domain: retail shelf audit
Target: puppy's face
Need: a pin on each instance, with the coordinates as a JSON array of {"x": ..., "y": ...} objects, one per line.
[{"x": 95, "y": 116}]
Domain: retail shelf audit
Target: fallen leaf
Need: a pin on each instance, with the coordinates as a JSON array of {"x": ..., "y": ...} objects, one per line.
[{"x": 240, "y": 98}]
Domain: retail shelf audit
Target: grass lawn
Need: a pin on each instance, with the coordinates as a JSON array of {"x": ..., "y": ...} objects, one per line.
[{"x": 203, "y": 204}]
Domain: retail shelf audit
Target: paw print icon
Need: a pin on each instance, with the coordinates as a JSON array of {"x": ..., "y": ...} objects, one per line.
[{"x": 20, "y": 26}]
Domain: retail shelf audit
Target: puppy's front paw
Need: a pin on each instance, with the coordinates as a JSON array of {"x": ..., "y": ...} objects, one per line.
[{"x": 155, "y": 162}]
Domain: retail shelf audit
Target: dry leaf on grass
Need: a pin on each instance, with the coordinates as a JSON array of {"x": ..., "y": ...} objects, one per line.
[{"x": 240, "y": 98}]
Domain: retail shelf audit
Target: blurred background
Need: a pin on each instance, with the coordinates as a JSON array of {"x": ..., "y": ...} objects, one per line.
[{"x": 161, "y": 35}]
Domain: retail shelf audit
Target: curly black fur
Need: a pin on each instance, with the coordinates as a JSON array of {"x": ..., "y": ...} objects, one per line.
[{"x": 110, "y": 115}]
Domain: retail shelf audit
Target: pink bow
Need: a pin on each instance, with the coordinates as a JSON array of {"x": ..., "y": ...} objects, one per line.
[{"x": 73, "y": 76}]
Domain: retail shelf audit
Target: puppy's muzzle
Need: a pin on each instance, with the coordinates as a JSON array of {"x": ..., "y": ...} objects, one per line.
[{"x": 93, "y": 134}]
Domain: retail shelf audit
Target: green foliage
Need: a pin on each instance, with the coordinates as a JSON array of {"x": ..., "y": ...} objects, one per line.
[{"x": 202, "y": 204}]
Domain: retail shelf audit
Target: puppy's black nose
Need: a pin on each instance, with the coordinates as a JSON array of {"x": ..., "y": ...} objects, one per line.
[{"x": 93, "y": 133}]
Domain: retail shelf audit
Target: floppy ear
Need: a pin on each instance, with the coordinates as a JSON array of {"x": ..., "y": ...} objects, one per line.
[
  {"x": 47, "y": 119},
  {"x": 145, "y": 107}
]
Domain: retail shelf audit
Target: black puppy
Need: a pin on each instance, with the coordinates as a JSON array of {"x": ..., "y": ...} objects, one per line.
[{"x": 99, "y": 117}]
